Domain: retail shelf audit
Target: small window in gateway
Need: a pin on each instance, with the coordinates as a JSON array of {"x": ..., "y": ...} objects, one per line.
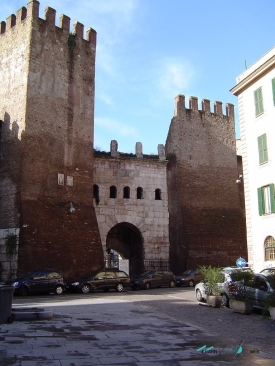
[
  {"x": 157, "y": 194},
  {"x": 139, "y": 193},
  {"x": 126, "y": 192},
  {"x": 113, "y": 192}
]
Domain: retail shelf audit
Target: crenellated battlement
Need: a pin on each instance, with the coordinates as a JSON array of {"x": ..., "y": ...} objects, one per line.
[
  {"x": 205, "y": 106},
  {"x": 32, "y": 11}
]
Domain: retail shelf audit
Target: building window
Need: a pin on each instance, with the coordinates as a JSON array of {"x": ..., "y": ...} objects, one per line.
[
  {"x": 273, "y": 90},
  {"x": 96, "y": 193},
  {"x": 262, "y": 148},
  {"x": 258, "y": 99},
  {"x": 157, "y": 194},
  {"x": 126, "y": 192},
  {"x": 269, "y": 246},
  {"x": 139, "y": 193},
  {"x": 113, "y": 192},
  {"x": 266, "y": 199}
]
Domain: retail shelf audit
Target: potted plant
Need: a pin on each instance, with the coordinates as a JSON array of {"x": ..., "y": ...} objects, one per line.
[
  {"x": 212, "y": 278},
  {"x": 240, "y": 297}
]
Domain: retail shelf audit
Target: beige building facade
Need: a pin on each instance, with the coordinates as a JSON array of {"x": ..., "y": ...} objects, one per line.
[{"x": 255, "y": 89}]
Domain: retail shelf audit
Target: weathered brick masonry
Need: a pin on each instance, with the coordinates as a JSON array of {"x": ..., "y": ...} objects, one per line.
[
  {"x": 47, "y": 108},
  {"x": 47, "y": 163},
  {"x": 206, "y": 207}
]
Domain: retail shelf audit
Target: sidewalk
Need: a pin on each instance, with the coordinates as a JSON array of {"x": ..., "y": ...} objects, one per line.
[{"x": 103, "y": 332}]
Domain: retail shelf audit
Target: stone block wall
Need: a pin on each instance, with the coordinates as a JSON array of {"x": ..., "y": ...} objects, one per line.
[
  {"x": 207, "y": 219},
  {"x": 8, "y": 264},
  {"x": 148, "y": 215}
]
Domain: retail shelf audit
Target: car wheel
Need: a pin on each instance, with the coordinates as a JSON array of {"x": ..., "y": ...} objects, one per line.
[
  {"x": 147, "y": 286},
  {"x": 23, "y": 291},
  {"x": 85, "y": 288},
  {"x": 225, "y": 300},
  {"x": 59, "y": 290},
  {"x": 199, "y": 295},
  {"x": 119, "y": 287},
  {"x": 191, "y": 283},
  {"x": 172, "y": 284}
]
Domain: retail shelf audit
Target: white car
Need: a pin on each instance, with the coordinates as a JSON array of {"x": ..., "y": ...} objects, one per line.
[{"x": 200, "y": 288}]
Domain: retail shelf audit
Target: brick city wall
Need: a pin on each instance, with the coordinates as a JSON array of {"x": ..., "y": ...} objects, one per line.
[
  {"x": 207, "y": 219},
  {"x": 53, "y": 125}
]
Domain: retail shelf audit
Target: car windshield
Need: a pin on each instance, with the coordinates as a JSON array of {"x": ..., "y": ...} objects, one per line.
[
  {"x": 268, "y": 271},
  {"x": 146, "y": 274},
  {"x": 188, "y": 272},
  {"x": 26, "y": 275}
]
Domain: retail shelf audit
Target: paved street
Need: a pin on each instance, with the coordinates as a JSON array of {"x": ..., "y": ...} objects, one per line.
[{"x": 156, "y": 327}]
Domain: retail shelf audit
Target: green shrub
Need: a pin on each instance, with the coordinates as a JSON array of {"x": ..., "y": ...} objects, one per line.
[
  {"x": 246, "y": 277},
  {"x": 212, "y": 276},
  {"x": 239, "y": 292}
]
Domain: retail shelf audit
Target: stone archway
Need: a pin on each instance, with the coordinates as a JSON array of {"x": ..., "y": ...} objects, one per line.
[{"x": 127, "y": 241}]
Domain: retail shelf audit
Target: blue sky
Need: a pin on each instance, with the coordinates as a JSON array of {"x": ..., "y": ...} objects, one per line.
[{"x": 149, "y": 51}]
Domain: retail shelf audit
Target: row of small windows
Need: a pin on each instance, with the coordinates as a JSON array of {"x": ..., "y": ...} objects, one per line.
[
  {"x": 126, "y": 192},
  {"x": 258, "y": 98}
]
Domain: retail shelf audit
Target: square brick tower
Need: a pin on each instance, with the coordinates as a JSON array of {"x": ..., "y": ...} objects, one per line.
[
  {"x": 47, "y": 124},
  {"x": 206, "y": 205}
]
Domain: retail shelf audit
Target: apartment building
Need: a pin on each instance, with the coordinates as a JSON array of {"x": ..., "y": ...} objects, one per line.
[{"x": 255, "y": 89}]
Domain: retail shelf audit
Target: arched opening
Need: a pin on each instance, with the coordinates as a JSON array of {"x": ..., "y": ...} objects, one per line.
[
  {"x": 126, "y": 240},
  {"x": 96, "y": 193},
  {"x": 157, "y": 194},
  {"x": 139, "y": 193},
  {"x": 113, "y": 192},
  {"x": 269, "y": 245},
  {"x": 126, "y": 192}
]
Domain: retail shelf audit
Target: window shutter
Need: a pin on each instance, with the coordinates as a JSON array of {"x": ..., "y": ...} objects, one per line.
[
  {"x": 261, "y": 104},
  {"x": 260, "y": 201},
  {"x": 273, "y": 90},
  {"x": 262, "y": 149},
  {"x": 271, "y": 189},
  {"x": 265, "y": 154},
  {"x": 258, "y": 100}
]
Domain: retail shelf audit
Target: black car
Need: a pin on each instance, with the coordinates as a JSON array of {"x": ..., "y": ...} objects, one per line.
[
  {"x": 150, "y": 279},
  {"x": 189, "y": 278},
  {"x": 38, "y": 281},
  {"x": 100, "y": 280}
]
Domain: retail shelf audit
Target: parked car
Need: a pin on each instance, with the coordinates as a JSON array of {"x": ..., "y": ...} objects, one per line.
[
  {"x": 200, "y": 288},
  {"x": 45, "y": 280},
  {"x": 268, "y": 271},
  {"x": 100, "y": 280},
  {"x": 260, "y": 290},
  {"x": 189, "y": 278},
  {"x": 150, "y": 279}
]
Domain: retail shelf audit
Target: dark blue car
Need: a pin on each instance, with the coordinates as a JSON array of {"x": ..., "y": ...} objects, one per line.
[
  {"x": 43, "y": 281},
  {"x": 150, "y": 279}
]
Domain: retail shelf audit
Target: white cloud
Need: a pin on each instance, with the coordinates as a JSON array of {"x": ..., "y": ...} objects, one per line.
[
  {"x": 112, "y": 125},
  {"x": 174, "y": 76},
  {"x": 105, "y": 98}
]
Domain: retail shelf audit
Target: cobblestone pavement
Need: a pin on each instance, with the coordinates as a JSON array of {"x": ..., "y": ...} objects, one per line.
[{"x": 158, "y": 327}]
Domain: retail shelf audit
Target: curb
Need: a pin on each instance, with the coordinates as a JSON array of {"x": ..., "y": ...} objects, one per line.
[{"x": 32, "y": 314}]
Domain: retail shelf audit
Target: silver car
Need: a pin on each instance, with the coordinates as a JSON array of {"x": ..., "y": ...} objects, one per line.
[{"x": 200, "y": 287}]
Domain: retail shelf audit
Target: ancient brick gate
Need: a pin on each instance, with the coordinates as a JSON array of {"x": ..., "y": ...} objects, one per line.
[{"x": 127, "y": 241}]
